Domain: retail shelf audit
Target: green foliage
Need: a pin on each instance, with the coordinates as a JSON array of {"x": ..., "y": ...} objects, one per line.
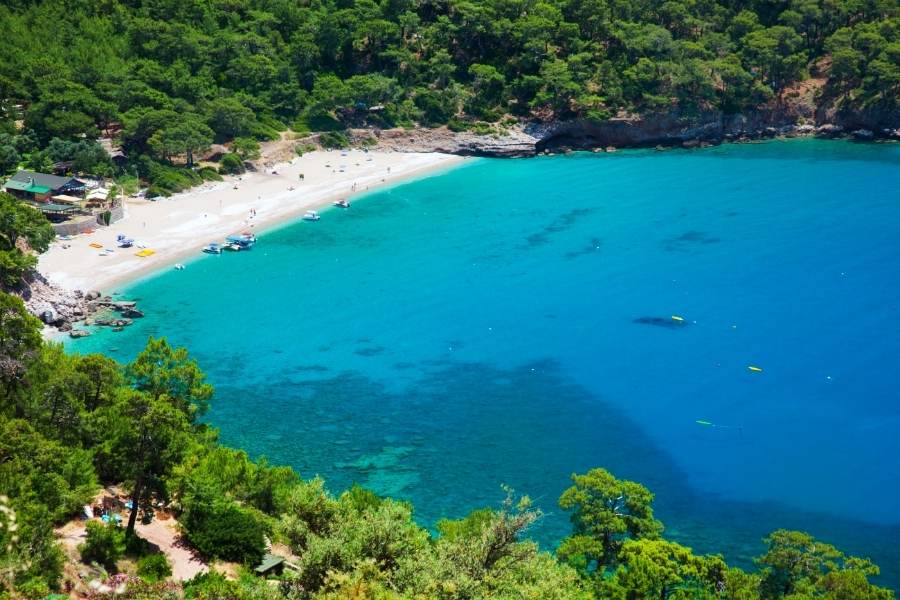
[
  {"x": 209, "y": 174},
  {"x": 246, "y": 148},
  {"x": 104, "y": 544},
  {"x": 231, "y": 164},
  {"x": 605, "y": 513},
  {"x": 154, "y": 567},
  {"x": 165, "y": 372},
  {"x": 223, "y": 529},
  {"x": 662, "y": 569},
  {"x": 797, "y": 565},
  {"x": 334, "y": 139},
  {"x": 167, "y": 180},
  {"x": 303, "y": 148},
  {"x": 20, "y": 224}
]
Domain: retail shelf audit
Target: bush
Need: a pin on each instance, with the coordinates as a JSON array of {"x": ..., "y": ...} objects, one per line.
[
  {"x": 105, "y": 544},
  {"x": 456, "y": 124},
  {"x": 154, "y": 567},
  {"x": 209, "y": 174},
  {"x": 334, "y": 139},
  {"x": 303, "y": 148},
  {"x": 210, "y": 585},
  {"x": 223, "y": 529},
  {"x": 231, "y": 164}
]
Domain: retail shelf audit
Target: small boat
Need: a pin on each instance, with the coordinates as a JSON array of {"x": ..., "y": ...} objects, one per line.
[
  {"x": 311, "y": 215},
  {"x": 244, "y": 240},
  {"x": 179, "y": 267},
  {"x": 754, "y": 369},
  {"x": 342, "y": 203},
  {"x": 212, "y": 248},
  {"x": 232, "y": 247},
  {"x": 124, "y": 242}
]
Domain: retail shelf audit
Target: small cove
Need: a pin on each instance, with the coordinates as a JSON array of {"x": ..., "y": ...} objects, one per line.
[{"x": 509, "y": 322}]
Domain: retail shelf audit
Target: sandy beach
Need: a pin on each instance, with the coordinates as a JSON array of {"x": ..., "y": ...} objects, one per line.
[{"x": 177, "y": 228}]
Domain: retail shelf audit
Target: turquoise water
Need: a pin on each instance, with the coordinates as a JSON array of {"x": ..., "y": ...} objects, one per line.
[{"x": 509, "y": 322}]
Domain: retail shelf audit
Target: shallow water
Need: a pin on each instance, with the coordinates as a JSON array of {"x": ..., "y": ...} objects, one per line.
[{"x": 510, "y": 322}]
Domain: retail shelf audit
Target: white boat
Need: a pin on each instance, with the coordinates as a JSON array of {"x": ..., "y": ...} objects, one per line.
[
  {"x": 342, "y": 203},
  {"x": 212, "y": 248},
  {"x": 311, "y": 215},
  {"x": 232, "y": 247}
]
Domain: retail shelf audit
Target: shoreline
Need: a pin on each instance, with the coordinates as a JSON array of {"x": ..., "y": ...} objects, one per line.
[{"x": 177, "y": 228}]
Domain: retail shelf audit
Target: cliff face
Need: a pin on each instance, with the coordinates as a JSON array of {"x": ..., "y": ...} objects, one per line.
[{"x": 795, "y": 113}]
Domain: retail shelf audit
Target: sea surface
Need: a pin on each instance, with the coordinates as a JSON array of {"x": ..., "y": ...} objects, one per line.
[{"x": 510, "y": 322}]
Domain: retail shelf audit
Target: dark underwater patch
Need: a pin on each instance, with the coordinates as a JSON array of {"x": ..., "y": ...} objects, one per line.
[
  {"x": 371, "y": 351},
  {"x": 311, "y": 368},
  {"x": 475, "y": 426},
  {"x": 593, "y": 248},
  {"x": 561, "y": 223},
  {"x": 666, "y": 322},
  {"x": 689, "y": 239}
]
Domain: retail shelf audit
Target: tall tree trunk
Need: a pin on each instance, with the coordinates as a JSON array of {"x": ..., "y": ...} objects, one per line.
[{"x": 135, "y": 504}]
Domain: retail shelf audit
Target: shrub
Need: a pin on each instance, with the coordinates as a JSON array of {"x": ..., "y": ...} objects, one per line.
[
  {"x": 209, "y": 174},
  {"x": 334, "y": 139},
  {"x": 223, "y": 529},
  {"x": 231, "y": 164},
  {"x": 303, "y": 148},
  {"x": 206, "y": 586},
  {"x": 456, "y": 124},
  {"x": 154, "y": 567},
  {"x": 105, "y": 544}
]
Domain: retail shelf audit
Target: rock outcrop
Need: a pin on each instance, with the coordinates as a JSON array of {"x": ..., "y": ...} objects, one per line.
[
  {"x": 62, "y": 308},
  {"x": 796, "y": 113}
]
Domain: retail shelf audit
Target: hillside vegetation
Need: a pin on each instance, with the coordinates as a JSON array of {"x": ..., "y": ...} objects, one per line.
[{"x": 176, "y": 75}]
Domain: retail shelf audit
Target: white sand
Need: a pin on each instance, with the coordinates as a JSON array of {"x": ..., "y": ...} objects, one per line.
[{"x": 178, "y": 227}]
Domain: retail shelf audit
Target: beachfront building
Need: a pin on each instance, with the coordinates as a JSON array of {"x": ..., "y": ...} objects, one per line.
[
  {"x": 73, "y": 205},
  {"x": 41, "y": 187}
]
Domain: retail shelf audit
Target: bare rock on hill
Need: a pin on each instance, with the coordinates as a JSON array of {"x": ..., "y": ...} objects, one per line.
[{"x": 512, "y": 142}]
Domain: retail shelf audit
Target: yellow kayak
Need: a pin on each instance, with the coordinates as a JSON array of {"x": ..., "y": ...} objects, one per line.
[
  {"x": 755, "y": 369},
  {"x": 677, "y": 318}
]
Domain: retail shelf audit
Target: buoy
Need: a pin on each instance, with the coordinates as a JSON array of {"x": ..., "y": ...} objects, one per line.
[
  {"x": 755, "y": 369},
  {"x": 677, "y": 318}
]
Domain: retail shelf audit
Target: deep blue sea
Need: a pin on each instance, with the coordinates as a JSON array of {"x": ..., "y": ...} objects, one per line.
[{"x": 509, "y": 322}]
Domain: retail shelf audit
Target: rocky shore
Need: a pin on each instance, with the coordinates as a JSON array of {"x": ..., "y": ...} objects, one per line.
[
  {"x": 62, "y": 309},
  {"x": 796, "y": 114}
]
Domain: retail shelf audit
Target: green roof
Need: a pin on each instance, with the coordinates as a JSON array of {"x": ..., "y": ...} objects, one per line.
[
  {"x": 12, "y": 184},
  {"x": 269, "y": 562},
  {"x": 38, "y": 189}
]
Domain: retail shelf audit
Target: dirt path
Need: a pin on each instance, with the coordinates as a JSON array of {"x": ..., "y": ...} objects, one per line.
[{"x": 165, "y": 535}]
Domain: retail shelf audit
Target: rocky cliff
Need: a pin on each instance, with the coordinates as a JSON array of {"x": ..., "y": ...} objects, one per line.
[{"x": 800, "y": 111}]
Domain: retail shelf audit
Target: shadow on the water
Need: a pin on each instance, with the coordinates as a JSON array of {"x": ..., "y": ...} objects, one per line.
[
  {"x": 451, "y": 437},
  {"x": 592, "y": 248},
  {"x": 561, "y": 223},
  {"x": 687, "y": 240},
  {"x": 665, "y": 322}
]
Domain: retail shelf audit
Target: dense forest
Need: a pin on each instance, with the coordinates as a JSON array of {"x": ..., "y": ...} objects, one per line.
[
  {"x": 170, "y": 77},
  {"x": 70, "y": 424}
]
